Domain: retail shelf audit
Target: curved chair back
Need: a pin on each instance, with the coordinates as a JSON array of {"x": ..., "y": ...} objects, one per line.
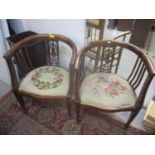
[{"x": 18, "y": 59}]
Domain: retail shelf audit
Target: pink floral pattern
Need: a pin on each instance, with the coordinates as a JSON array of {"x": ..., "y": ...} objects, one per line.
[
  {"x": 58, "y": 79},
  {"x": 109, "y": 87}
]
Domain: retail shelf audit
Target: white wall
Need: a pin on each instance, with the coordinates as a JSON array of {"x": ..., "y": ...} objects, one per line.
[
  {"x": 5, "y": 32},
  {"x": 72, "y": 28},
  {"x": 4, "y": 72},
  {"x": 18, "y": 25}
]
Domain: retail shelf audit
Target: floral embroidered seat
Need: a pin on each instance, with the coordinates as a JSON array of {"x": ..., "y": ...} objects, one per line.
[
  {"x": 46, "y": 81},
  {"x": 106, "y": 91}
]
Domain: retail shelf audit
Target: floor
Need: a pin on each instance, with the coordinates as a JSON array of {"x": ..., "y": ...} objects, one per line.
[{"x": 4, "y": 87}]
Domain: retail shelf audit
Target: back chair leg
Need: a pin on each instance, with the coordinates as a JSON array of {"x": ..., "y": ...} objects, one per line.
[
  {"x": 69, "y": 104},
  {"x": 131, "y": 117},
  {"x": 21, "y": 102}
]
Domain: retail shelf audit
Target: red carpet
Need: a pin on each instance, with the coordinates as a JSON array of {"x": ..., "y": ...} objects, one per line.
[{"x": 45, "y": 119}]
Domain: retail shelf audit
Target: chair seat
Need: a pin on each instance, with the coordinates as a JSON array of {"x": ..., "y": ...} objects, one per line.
[
  {"x": 107, "y": 91},
  {"x": 46, "y": 81}
]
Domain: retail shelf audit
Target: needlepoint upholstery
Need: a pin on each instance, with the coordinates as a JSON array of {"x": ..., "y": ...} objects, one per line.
[
  {"x": 104, "y": 90},
  {"x": 46, "y": 81}
]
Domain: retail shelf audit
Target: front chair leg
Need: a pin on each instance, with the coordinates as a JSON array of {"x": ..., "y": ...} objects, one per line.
[
  {"x": 77, "y": 113},
  {"x": 21, "y": 102},
  {"x": 131, "y": 117}
]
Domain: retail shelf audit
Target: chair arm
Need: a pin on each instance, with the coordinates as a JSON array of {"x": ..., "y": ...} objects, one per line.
[
  {"x": 71, "y": 64},
  {"x": 143, "y": 91},
  {"x": 123, "y": 34},
  {"x": 76, "y": 85},
  {"x": 14, "y": 78}
]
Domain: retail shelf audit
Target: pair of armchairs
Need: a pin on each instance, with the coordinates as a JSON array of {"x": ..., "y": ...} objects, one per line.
[{"x": 102, "y": 90}]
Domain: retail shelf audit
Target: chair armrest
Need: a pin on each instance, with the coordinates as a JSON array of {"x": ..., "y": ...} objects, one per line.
[
  {"x": 76, "y": 87},
  {"x": 123, "y": 34},
  {"x": 13, "y": 74}
]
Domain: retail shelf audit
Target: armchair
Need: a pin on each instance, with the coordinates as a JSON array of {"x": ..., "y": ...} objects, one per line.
[
  {"x": 104, "y": 90},
  {"x": 50, "y": 82}
]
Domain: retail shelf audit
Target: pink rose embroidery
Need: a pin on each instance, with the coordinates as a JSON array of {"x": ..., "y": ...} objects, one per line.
[
  {"x": 114, "y": 81},
  {"x": 122, "y": 88},
  {"x": 103, "y": 86},
  {"x": 110, "y": 90}
]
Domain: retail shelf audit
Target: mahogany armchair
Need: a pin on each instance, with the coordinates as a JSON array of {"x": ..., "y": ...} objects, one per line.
[
  {"x": 104, "y": 90},
  {"x": 49, "y": 82}
]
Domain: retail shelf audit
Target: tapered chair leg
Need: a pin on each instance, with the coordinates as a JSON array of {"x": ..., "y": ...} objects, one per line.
[
  {"x": 77, "y": 113},
  {"x": 69, "y": 104},
  {"x": 21, "y": 102},
  {"x": 131, "y": 118}
]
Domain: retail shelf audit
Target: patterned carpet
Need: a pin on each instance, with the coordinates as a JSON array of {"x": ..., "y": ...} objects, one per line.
[{"x": 45, "y": 119}]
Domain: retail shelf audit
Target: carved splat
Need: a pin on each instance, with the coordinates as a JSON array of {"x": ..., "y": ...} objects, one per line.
[
  {"x": 53, "y": 53},
  {"x": 107, "y": 57}
]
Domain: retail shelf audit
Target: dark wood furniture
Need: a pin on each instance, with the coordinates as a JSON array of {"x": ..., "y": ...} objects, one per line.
[
  {"x": 35, "y": 53},
  {"x": 140, "y": 32},
  {"x": 36, "y": 83},
  {"x": 37, "y": 58},
  {"x": 125, "y": 24},
  {"x": 140, "y": 28},
  {"x": 105, "y": 91}
]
